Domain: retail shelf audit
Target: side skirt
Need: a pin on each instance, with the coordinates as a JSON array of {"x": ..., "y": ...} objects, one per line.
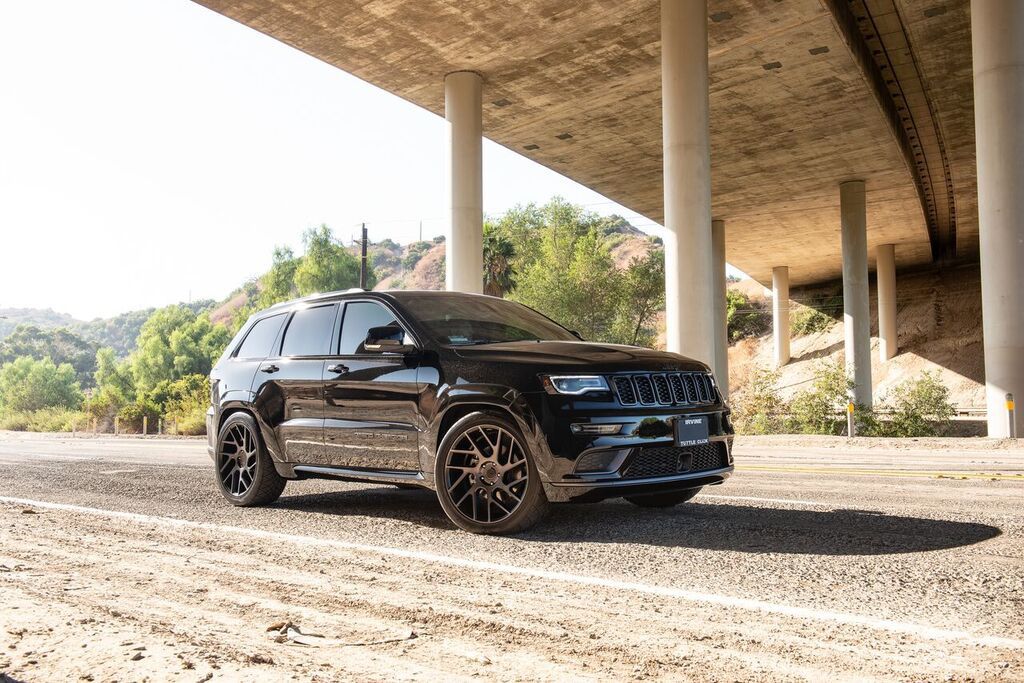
[{"x": 354, "y": 474}]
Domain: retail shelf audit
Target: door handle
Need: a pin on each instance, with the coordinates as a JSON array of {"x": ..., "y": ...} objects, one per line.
[
  {"x": 337, "y": 368},
  {"x": 269, "y": 369}
]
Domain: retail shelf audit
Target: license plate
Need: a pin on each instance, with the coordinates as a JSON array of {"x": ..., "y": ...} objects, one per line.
[{"x": 692, "y": 431}]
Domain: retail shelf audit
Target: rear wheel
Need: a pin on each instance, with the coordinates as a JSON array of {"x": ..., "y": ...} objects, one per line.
[
  {"x": 486, "y": 478},
  {"x": 663, "y": 500},
  {"x": 245, "y": 472}
]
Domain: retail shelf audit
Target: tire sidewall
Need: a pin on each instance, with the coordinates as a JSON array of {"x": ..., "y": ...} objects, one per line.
[
  {"x": 262, "y": 460},
  {"x": 533, "y": 496}
]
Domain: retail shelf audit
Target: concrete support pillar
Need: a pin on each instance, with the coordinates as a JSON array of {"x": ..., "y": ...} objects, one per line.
[
  {"x": 780, "y": 314},
  {"x": 856, "y": 302},
  {"x": 885, "y": 272},
  {"x": 463, "y": 111},
  {"x": 997, "y": 37},
  {"x": 721, "y": 357},
  {"x": 689, "y": 284}
]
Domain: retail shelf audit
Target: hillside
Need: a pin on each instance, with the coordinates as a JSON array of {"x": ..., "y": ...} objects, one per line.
[
  {"x": 420, "y": 265},
  {"x": 40, "y": 317},
  {"x": 939, "y": 321},
  {"x": 118, "y": 332}
]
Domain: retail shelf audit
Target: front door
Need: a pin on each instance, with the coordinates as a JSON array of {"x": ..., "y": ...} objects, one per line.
[
  {"x": 370, "y": 398},
  {"x": 289, "y": 385}
]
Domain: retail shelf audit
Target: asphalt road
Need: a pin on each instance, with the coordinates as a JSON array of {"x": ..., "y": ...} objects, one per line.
[{"x": 819, "y": 558}]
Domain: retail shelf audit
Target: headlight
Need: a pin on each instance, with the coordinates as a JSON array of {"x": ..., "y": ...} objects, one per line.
[{"x": 573, "y": 385}]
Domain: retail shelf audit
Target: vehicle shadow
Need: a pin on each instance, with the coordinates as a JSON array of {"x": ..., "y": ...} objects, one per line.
[{"x": 703, "y": 526}]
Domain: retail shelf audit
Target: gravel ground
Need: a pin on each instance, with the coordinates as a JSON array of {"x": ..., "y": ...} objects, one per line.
[{"x": 817, "y": 559}]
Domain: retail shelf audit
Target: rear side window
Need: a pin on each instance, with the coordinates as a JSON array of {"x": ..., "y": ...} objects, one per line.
[
  {"x": 360, "y": 316},
  {"x": 309, "y": 332},
  {"x": 260, "y": 338}
]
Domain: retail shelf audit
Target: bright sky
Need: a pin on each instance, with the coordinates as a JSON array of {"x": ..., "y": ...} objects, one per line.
[{"x": 152, "y": 151}]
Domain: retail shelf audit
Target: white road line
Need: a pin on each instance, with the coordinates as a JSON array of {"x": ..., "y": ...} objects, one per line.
[
  {"x": 921, "y": 630},
  {"x": 775, "y": 501}
]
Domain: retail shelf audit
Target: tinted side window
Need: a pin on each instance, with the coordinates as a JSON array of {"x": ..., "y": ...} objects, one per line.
[
  {"x": 260, "y": 338},
  {"x": 309, "y": 332},
  {"x": 360, "y": 316}
]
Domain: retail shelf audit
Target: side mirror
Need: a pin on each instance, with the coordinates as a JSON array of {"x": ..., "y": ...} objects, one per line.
[
  {"x": 386, "y": 339},
  {"x": 577, "y": 335}
]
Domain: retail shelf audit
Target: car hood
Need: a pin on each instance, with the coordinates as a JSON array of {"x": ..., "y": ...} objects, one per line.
[{"x": 579, "y": 356}]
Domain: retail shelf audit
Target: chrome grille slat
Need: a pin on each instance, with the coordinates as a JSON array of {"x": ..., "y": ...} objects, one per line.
[{"x": 665, "y": 388}]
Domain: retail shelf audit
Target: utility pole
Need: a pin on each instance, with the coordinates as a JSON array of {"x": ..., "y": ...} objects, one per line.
[{"x": 362, "y": 263}]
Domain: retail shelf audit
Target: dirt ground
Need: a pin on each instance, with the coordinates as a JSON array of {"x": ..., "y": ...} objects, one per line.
[{"x": 118, "y": 561}]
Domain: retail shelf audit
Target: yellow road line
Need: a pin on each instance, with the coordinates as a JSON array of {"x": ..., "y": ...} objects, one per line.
[{"x": 947, "y": 474}]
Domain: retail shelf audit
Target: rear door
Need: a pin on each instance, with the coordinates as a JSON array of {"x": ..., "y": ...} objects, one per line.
[
  {"x": 371, "y": 399},
  {"x": 290, "y": 383}
]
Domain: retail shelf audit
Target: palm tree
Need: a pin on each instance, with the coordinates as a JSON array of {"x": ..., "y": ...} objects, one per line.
[{"x": 499, "y": 273}]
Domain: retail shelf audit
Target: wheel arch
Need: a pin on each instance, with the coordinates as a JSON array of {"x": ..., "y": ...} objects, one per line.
[{"x": 502, "y": 401}]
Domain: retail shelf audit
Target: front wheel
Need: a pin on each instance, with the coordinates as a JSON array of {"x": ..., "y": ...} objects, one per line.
[
  {"x": 663, "y": 500},
  {"x": 486, "y": 478},
  {"x": 245, "y": 472}
]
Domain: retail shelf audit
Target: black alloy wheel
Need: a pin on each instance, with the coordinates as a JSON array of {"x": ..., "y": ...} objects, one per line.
[
  {"x": 245, "y": 472},
  {"x": 486, "y": 481},
  {"x": 239, "y": 454}
]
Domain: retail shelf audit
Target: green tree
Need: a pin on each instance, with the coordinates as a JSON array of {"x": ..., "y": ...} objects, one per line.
[
  {"x": 573, "y": 280},
  {"x": 175, "y": 342},
  {"x": 278, "y": 284},
  {"x": 114, "y": 374},
  {"x": 27, "y": 385},
  {"x": 499, "y": 271},
  {"x": 61, "y": 345},
  {"x": 327, "y": 266},
  {"x": 643, "y": 296}
]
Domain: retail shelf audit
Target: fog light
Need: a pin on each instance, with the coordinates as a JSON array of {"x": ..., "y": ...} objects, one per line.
[
  {"x": 601, "y": 428},
  {"x": 600, "y": 461}
]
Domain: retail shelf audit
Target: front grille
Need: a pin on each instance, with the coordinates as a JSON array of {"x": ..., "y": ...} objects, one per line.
[
  {"x": 665, "y": 389},
  {"x": 662, "y": 461}
]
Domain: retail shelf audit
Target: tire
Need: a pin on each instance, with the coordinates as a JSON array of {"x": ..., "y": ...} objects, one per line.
[
  {"x": 486, "y": 477},
  {"x": 244, "y": 472},
  {"x": 663, "y": 500}
]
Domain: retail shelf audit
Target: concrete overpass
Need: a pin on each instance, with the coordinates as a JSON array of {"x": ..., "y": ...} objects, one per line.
[{"x": 826, "y": 137}]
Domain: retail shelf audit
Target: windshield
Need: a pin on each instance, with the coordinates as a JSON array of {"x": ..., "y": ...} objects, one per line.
[{"x": 464, "y": 320}]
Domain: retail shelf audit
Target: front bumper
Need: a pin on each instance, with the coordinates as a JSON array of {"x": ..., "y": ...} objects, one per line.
[
  {"x": 593, "y": 491},
  {"x": 563, "y": 452}
]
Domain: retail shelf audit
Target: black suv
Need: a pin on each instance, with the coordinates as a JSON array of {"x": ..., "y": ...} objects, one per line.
[{"x": 489, "y": 403}]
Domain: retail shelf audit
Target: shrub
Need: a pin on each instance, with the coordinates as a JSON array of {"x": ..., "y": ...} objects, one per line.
[
  {"x": 186, "y": 403},
  {"x": 814, "y": 411},
  {"x": 745, "y": 317},
  {"x": 920, "y": 407},
  {"x": 15, "y": 421},
  {"x": 809, "y": 320},
  {"x": 757, "y": 407},
  {"x": 53, "y": 419},
  {"x": 414, "y": 254},
  {"x": 193, "y": 424},
  {"x": 26, "y": 385},
  {"x": 130, "y": 417}
]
